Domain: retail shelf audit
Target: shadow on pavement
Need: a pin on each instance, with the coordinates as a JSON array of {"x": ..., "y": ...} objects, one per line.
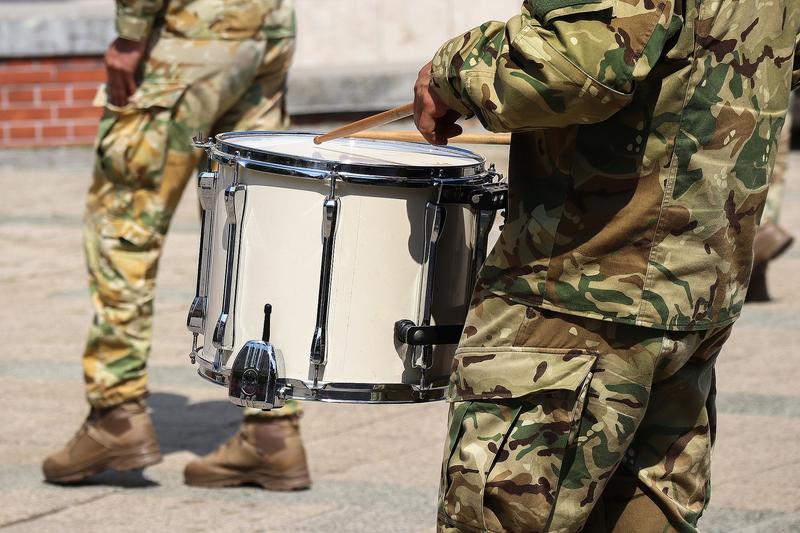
[{"x": 197, "y": 427}]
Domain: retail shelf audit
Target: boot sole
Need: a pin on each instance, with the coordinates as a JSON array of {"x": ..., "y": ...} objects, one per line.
[
  {"x": 299, "y": 482},
  {"x": 124, "y": 463}
]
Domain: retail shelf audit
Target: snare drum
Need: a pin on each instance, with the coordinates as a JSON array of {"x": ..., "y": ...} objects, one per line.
[{"x": 339, "y": 272}]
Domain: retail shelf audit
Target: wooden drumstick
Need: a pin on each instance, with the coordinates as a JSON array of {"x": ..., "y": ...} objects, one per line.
[
  {"x": 413, "y": 136},
  {"x": 370, "y": 122}
]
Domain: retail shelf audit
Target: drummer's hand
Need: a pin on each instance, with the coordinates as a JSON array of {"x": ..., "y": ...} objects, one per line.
[
  {"x": 122, "y": 60},
  {"x": 435, "y": 121}
]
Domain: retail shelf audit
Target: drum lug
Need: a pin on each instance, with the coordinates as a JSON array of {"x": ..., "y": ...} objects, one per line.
[
  {"x": 196, "y": 321},
  {"x": 435, "y": 216},
  {"x": 230, "y": 202},
  {"x": 330, "y": 216},
  {"x": 223, "y": 334},
  {"x": 206, "y": 183}
]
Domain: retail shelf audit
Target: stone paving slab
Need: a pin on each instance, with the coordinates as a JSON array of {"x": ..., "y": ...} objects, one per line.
[{"x": 375, "y": 468}]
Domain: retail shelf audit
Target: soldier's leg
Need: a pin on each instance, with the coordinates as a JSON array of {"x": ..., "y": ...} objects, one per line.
[
  {"x": 142, "y": 167},
  {"x": 144, "y": 160},
  {"x": 664, "y": 483},
  {"x": 541, "y": 460}
]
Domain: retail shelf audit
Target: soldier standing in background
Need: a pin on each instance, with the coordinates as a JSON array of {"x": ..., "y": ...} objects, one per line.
[
  {"x": 178, "y": 67},
  {"x": 644, "y": 136}
]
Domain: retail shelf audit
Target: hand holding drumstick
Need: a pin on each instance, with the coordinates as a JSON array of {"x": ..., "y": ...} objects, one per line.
[{"x": 435, "y": 121}]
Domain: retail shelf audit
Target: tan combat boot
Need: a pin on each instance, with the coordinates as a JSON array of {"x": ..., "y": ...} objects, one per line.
[
  {"x": 770, "y": 243},
  {"x": 265, "y": 451},
  {"x": 119, "y": 438}
]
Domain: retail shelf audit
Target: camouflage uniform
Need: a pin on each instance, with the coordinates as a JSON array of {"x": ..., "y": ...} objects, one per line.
[
  {"x": 777, "y": 184},
  {"x": 211, "y": 66},
  {"x": 644, "y": 136}
]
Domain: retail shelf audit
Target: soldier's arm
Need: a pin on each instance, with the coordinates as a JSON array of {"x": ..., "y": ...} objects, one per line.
[
  {"x": 135, "y": 18},
  {"x": 561, "y": 62}
]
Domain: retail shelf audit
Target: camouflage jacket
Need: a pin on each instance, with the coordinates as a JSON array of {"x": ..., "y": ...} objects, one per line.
[
  {"x": 206, "y": 19},
  {"x": 644, "y": 135}
]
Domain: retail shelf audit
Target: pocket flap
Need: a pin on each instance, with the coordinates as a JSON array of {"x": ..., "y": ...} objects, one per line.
[
  {"x": 148, "y": 95},
  {"x": 513, "y": 372},
  {"x": 164, "y": 95}
]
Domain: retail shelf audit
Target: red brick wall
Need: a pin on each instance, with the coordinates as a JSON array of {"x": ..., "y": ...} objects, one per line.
[{"x": 48, "y": 102}]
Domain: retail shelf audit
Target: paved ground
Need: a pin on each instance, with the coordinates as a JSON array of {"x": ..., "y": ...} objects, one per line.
[{"x": 375, "y": 468}]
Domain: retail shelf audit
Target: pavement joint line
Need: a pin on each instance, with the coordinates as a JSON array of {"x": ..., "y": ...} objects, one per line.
[{"x": 44, "y": 514}]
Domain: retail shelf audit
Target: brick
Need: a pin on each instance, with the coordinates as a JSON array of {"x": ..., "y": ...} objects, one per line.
[
  {"x": 85, "y": 131},
  {"x": 84, "y": 95},
  {"x": 18, "y": 77},
  {"x": 98, "y": 75},
  {"x": 21, "y": 96},
  {"x": 53, "y": 94},
  {"x": 50, "y": 131},
  {"x": 22, "y": 132},
  {"x": 79, "y": 111},
  {"x": 25, "y": 113}
]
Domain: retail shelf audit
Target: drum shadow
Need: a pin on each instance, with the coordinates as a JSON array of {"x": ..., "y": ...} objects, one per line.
[{"x": 195, "y": 427}]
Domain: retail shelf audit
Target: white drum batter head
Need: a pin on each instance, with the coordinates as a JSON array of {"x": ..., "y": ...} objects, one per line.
[{"x": 364, "y": 160}]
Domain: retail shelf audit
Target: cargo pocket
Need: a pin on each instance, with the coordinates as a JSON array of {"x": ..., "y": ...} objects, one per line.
[
  {"x": 132, "y": 147},
  {"x": 509, "y": 435},
  {"x": 133, "y": 140}
]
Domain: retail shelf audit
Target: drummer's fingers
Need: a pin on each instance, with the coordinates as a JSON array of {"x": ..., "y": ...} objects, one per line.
[{"x": 427, "y": 127}]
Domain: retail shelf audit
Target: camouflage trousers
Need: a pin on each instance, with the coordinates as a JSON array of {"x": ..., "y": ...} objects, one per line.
[
  {"x": 563, "y": 424},
  {"x": 143, "y": 162}
]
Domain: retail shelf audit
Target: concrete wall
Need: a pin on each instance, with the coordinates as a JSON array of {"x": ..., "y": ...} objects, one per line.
[{"x": 352, "y": 54}]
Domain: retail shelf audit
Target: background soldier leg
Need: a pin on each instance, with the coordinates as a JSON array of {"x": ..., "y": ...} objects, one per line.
[{"x": 144, "y": 160}]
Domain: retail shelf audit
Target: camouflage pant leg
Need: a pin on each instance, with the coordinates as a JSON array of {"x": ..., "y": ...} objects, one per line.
[
  {"x": 777, "y": 184},
  {"x": 144, "y": 160},
  {"x": 549, "y": 406},
  {"x": 127, "y": 215}
]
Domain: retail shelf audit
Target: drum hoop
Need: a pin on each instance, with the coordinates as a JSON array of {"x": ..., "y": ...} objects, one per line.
[
  {"x": 330, "y": 392},
  {"x": 223, "y": 151}
]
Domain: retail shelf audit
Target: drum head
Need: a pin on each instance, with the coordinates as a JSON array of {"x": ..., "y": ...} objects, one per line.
[{"x": 370, "y": 160}]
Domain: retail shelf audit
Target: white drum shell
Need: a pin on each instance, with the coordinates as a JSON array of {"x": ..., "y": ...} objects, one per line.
[{"x": 377, "y": 270}]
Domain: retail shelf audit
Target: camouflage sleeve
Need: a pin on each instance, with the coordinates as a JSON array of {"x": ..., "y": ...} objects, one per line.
[
  {"x": 561, "y": 62},
  {"x": 135, "y": 18}
]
